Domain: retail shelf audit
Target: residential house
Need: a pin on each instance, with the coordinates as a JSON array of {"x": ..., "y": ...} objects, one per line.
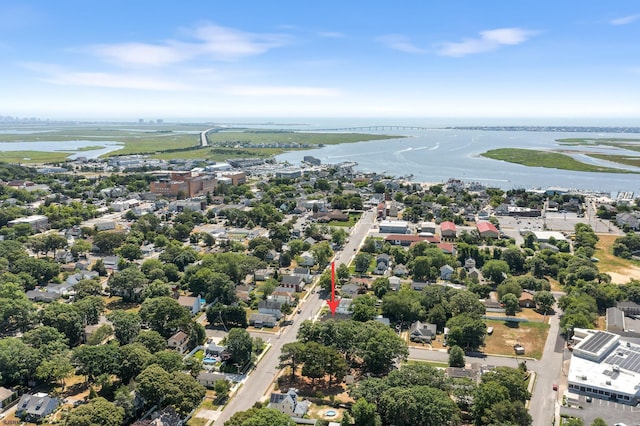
[
  {"x": 283, "y": 296},
  {"x": 448, "y": 229},
  {"x": 263, "y": 274},
  {"x": 447, "y": 248},
  {"x": 344, "y": 307},
  {"x": 526, "y": 300},
  {"x": 42, "y": 295},
  {"x": 422, "y": 332},
  {"x": 631, "y": 220},
  {"x": 111, "y": 262},
  {"x": 418, "y": 285},
  {"x": 428, "y": 227},
  {"x": 272, "y": 256},
  {"x": 6, "y": 397},
  {"x": 192, "y": 303},
  {"x": 400, "y": 271},
  {"x": 394, "y": 283},
  {"x": 289, "y": 403},
  {"x": 34, "y": 408},
  {"x": 475, "y": 274},
  {"x": 262, "y": 320},
  {"x": 307, "y": 259},
  {"x": 487, "y": 230},
  {"x": 270, "y": 307},
  {"x": 292, "y": 281},
  {"x": 209, "y": 379},
  {"x": 243, "y": 292},
  {"x": 64, "y": 256},
  {"x": 304, "y": 273},
  {"x": 469, "y": 263},
  {"x": 446, "y": 272},
  {"x": 349, "y": 290},
  {"x": 215, "y": 350},
  {"x": 179, "y": 342}
]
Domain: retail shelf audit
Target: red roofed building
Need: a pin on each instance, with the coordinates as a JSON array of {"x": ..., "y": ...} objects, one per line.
[
  {"x": 404, "y": 239},
  {"x": 447, "y": 248},
  {"x": 448, "y": 229},
  {"x": 487, "y": 230}
]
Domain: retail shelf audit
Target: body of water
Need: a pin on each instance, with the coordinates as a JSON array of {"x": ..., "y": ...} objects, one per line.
[
  {"x": 72, "y": 147},
  {"x": 439, "y": 154}
]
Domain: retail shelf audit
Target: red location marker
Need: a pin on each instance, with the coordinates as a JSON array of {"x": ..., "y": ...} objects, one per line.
[{"x": 333, "y": 303}]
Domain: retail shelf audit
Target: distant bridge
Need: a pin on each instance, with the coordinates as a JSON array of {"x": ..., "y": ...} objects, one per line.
[{"x": 369, "y": 128}]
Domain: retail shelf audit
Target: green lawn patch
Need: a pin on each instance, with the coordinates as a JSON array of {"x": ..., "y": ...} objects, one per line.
[
  {"x": 552, "y": 160},
  {"x": 431, "y": 363},
  {"x": 622, "y": 159},
  {"x": 34, "y": 157}
]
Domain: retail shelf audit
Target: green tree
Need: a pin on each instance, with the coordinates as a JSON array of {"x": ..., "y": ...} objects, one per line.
[
  {"x": 108, "y": 241},
  {"x": 509, "y": 287},
  {"x": 98, "y": 411},
  {"x": 152, "y": 340},
  {"x": 227, "y": 316},
  {"x": 239, "y": 345},
  {"x": 260, "y": 417},
  {"x": 133, "y": 358},
  {"x": 364, "y": 413},
  {"x": 130, "y": 251},
  {"x": 164, "y": 315},
  {"x": 544, "y": 301},
  {"x": 467, "y": 331},
  {"x": 362, "y": 262},
  {"x": 456, "y": 357},
  {"x": 292, "y": 355},
  {"x": 65, "y": 318},
  {"x": 598, "y": 421},
  {"x": 364, "y": 308},
  {"x": 418, "y": 405},
  {"x": 495, "y": 270},
  {"x": 381, "y": 287},
  {"x": 128, "y": 284},
  {"x": 94, "y": 361},
  {"x": 511, "y": 305}
]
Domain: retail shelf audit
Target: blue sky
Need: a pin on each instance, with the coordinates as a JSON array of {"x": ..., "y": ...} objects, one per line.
[{"x": 214, "y": 59}]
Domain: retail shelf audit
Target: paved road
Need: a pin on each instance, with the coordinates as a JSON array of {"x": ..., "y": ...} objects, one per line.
[
  {"x": 259, "y": 381},
  {"x": 542, "y": 406}
]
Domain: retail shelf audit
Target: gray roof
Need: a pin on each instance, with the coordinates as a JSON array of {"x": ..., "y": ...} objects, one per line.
[{"x": 36, "y": 406}]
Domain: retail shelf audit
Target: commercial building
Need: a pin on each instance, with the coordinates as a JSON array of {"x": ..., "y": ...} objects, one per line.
[
  {"x": 605, "y": 366},
  {"x": 183, "y": 183},
  {"x": 36, "y": 221}
]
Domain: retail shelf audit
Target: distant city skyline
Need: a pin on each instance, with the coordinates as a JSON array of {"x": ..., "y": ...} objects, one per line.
[{"x": 495, "y": 59}]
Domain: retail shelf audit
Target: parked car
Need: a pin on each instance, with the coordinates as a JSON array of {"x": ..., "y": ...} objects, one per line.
[{"x": 555, "y": 386}]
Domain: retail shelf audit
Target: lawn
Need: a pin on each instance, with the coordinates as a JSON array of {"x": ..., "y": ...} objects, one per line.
[
  {"x": 34, "y": 157},
  {"x": 552, "y": 160},
  {"x": 353, "y": 219},
  {"x": 531, "y": 335},
  {"x": 621, "y": 270}
]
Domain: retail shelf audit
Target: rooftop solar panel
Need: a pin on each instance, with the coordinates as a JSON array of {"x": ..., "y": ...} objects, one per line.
[
  {"x": 596, "y": 342},
  {"x": 625, "y": 359}
]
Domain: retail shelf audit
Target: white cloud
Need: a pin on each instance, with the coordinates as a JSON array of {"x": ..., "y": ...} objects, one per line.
[
  {"x": 142, "y": 54},
  {"x": 59, "y": 76},
  {"x": 401, "y": 43},
  {"x": 229, "y": 44},
  {"x": 291, "y": 91},
  {"x": 331, "y": 34},
  {"x": 624, "y": 20},
  {"x": 213, "y": 41},
  {"x": 488, "y": 41}
]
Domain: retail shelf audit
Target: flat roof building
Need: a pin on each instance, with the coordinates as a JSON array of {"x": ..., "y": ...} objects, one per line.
[{"x": 606, "y": 367}]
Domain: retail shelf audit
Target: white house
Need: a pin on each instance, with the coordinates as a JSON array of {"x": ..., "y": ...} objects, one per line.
[{"x": 288, "y": 403}]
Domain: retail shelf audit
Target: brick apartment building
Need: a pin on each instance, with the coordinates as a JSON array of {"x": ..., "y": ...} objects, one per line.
[{"x": 184, "y": 183}]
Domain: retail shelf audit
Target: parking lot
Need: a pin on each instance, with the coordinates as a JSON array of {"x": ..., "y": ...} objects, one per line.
[{"x": 611, "y": 412}]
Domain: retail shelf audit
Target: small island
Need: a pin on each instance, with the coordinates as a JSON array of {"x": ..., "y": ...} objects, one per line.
[{"x": 552, "y": 160}]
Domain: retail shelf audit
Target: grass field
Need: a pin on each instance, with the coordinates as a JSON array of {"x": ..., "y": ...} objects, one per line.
[
  {"x": 621, "y": 270},
  {"x": 622, "y": 159},
  {"x": 553, "y": 160},
  {"x": 623, "y": 143},
  {"x": 531, "y": 335},
  {"x": 180, "y": 141},
  {"x": 34, "y": 157}
]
